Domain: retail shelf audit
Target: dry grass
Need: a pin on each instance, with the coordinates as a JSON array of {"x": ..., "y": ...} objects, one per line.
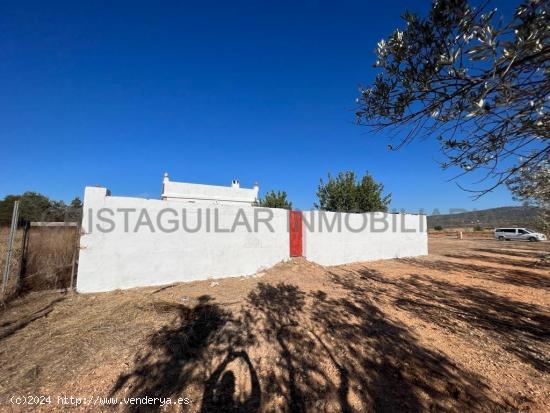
[
  {"x": 12, "y": 288},
  {"x": 465, "y": 329},
  {"x": 48, "y": 261},
  {"x": 49, "y": 258}
]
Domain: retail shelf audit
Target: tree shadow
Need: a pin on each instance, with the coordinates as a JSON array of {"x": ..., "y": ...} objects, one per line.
[
  {"x": 530, "y": 253},
  {"x": 280, "y": 306},
  {"x": 219, "y": 390},
  {"x": 519, "y": 277},
  {"x": 9, "y": 328},
  {"x": 494, "y": 259},
  {"x": 522, "y": 329},
  {"x": 314, "y": 352},
  {"x": 181, "y": 353},
  {"x": 344, "y": 354},
  {"x": 392, "y": 369}
]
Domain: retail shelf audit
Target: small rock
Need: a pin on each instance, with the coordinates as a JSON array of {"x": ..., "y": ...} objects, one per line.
[{"x": 214, "y": 284}]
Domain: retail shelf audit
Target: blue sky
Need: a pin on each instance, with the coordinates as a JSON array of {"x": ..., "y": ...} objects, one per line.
[{"x": 117, "y": 93}]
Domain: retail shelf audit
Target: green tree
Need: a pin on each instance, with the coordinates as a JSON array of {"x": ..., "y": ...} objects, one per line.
[
  {"x": 276, "y": 200},
  {"x": 346, "y": 193},
  {"x": 34, "y": 206},
  {"x": 6, "y": 208},
  {"x": 76, "y": 203},
  {"x": 74, "y": 210},
  {"x": 473, "y": 81}
]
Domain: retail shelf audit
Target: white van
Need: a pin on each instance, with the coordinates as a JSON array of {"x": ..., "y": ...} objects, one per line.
[{"x": 523, "y": 234}]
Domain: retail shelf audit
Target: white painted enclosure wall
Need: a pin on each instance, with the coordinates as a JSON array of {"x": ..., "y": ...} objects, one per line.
[
  {"x": 122, "y": 257},
  {"x": 405, "y": 236},
  {"x": 125, "y": 259}
]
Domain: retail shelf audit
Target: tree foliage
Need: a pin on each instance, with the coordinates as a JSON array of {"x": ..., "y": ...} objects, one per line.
[
  {"x": 532, "y": 185},
  {"x": 276, "y": 200},
  {"x": 34, "y": 206},
  {"x": 346, "y": 193},
  {"x": 479, "y": 85}
]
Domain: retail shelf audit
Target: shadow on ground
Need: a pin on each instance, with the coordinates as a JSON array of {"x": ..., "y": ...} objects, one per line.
[
  {"x": 519, "y": 277},
  {"x": 395, "y": 371},
  {"x": 180, "y": 354},
  {"x": 520, "y": 328},
  {"x": 11, "y": 327},
  {"x": 287, "y": 350}
]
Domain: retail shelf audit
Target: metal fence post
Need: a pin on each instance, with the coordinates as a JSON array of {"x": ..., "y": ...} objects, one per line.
[
  {"x": 13, "y": 229},
  {"x": 75, "y": 254}
]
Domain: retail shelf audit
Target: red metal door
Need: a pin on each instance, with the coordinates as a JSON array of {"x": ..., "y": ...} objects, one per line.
[{"x": 295, "y": 229}]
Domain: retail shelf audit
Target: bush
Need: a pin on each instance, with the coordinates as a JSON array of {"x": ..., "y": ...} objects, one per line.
[
  {"x": 478, "y": 228},
  {"x": 438, "y": 228}
]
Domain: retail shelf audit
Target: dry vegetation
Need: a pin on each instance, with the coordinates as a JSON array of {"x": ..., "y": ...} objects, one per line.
[
  {"x": 12, "y": 288},
  {"x": 48, "y": 260},
  {"x": 467, "y": 233},
  {"x": 465, "y": 329}
]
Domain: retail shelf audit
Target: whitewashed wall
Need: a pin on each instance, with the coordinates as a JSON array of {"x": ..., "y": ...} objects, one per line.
[
  {"x": 125, "y": 259},
  {"x": 404, "y": 236},
  {"x": 122, "y": 257}
]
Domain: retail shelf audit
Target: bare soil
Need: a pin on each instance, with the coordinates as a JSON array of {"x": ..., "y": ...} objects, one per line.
[{"x": 465, "y": 329}]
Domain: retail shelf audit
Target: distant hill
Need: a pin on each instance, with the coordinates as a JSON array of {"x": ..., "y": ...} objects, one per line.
[{"x": 520, "y": 216}]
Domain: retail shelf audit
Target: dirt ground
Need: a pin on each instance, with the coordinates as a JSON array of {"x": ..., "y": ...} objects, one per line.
[{"x": 465, "y": 329}]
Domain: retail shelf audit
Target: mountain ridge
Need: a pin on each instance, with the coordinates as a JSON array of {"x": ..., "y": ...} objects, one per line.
[{"x": 513, "y": 216}]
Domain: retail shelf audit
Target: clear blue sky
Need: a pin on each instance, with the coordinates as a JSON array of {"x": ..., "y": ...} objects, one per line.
[{"x": 116, "y": 93}]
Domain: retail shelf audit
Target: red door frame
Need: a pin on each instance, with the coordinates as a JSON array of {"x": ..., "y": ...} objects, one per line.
[{"x": 295, "y": 230}]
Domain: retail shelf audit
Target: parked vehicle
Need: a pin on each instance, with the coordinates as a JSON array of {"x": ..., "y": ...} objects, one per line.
[{"x": 521, "y": 234}]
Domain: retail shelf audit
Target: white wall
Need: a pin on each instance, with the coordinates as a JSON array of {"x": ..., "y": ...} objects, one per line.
[
  {"x": 125, "y": 259},
  {"x": 126, "y": 254},
  {"x": 405, "y": 236}
]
